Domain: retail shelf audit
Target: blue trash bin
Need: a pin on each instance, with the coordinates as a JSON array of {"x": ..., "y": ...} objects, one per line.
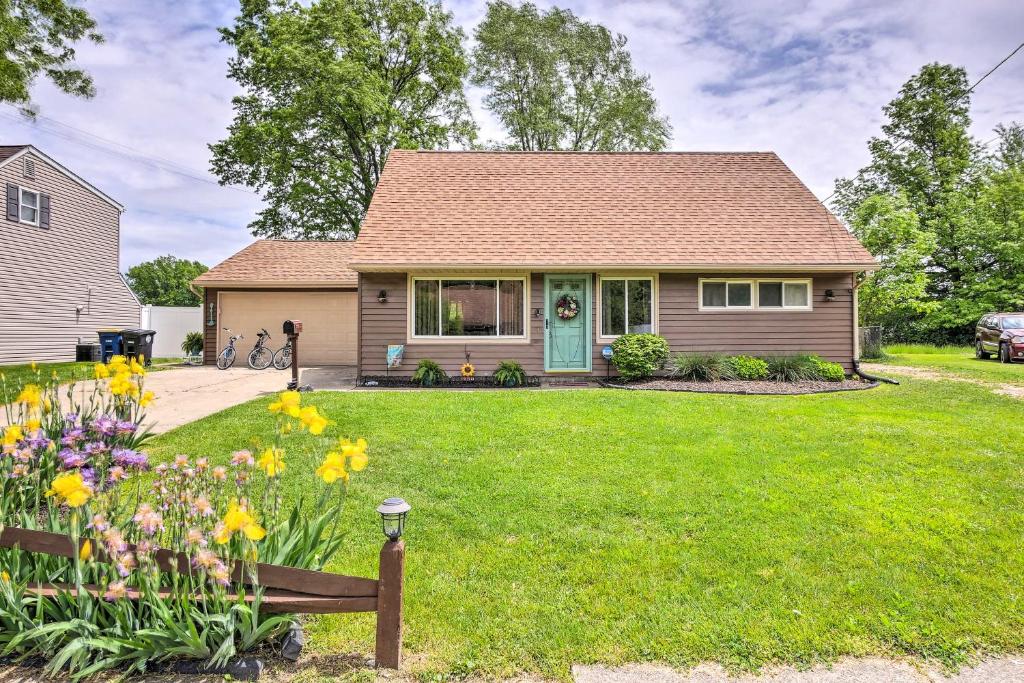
[{"x": 110, "y": 343}]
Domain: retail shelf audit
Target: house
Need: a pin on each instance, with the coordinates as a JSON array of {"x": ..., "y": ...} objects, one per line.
[
  {"x": 547, "y": 257},
  {"x": 271, "y": 281},
  {"x": 59, "y": 252}
]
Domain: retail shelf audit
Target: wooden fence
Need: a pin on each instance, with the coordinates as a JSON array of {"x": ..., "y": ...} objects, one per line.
[{"x": 287, "y": 590}]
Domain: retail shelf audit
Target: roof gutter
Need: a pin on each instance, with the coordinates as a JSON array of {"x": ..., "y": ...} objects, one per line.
[{"x": 661, "y": 268}]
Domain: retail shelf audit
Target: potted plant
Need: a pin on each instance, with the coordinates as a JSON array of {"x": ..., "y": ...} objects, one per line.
[
  {"x": 509, "y": 373},
  {"x": 193, "y": 344},
  {"x": 428, "y": 373}
]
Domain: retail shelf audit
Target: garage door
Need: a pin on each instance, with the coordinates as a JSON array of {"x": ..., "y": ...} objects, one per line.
[{"x": 328, "y": 322}]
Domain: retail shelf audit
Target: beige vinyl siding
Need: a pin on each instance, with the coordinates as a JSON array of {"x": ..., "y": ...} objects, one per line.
[
  {"x": 827, "y": 329},
  {"x": 46, "y": 273}
]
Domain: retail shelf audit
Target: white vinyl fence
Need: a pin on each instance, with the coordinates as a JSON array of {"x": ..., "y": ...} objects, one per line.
[{"x": 171, "y": 323}]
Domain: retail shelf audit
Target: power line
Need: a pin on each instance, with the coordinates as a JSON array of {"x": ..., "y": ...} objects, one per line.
[
  {"x": 79, "y": 136},
  {"x": 978, "y": 82}
]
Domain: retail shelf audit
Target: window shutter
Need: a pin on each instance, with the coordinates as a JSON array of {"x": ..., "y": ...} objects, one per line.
[
  {"x": 12, "y": 202},
  {"x": 44, "y": 210}
]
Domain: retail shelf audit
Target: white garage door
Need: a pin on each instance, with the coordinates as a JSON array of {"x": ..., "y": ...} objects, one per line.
[{"x": 328, "y": 322}]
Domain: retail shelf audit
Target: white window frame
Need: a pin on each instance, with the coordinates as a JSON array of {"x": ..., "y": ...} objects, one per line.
[
  {"x": 466, "y": 339},
  {"x": 653, "y": 279},
  {"x": 21, "y": 200},
  {"x": 755, "y": 285}
]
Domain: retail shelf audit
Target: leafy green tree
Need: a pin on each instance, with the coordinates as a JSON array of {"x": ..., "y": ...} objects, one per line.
[
  {"x": 558, "y": 82},
  {"x": 891, "y": 231},
  {"x": 1011, "y": 145},
  {"x": 164, "y": 281},
  {"x": 36, "y": 38},
  {"x": 329, "y": 89}
]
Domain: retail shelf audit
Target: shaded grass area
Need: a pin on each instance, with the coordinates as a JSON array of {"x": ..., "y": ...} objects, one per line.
[
  {"x": 955, "y": 360},
  {"x": 553, "y": 527},
  {"x": 16, "y": 376}
]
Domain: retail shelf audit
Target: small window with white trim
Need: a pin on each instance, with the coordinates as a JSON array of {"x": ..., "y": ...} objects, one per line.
[
  {"x": 755, "y": 294},
  {"x": 726, "y": 294},
  {"x": 28, "y": 203},
  {"x": 627, "y": 305}
]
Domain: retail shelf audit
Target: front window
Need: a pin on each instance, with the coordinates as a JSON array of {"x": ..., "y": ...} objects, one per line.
[
  {"x": 29, "y": 206},
  {"x": 469, "y": 307},
  {"x": 627, "y": 306},
  {"x": 755, "y": 294}
]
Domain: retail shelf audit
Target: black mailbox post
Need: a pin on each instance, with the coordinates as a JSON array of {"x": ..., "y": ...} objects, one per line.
[{"x": 292, "y": 329}]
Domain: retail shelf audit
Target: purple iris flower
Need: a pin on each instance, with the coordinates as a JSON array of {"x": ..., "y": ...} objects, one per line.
[
  {"x": 105, "y": 425},
  {"x": 71, "y": 417},
  {"x": 71, "y": 458},
  {"x": 73, "y": 436},
  {"x": 38, "y": 441},
  {"x": 88, "y": 475},
  {"x": 126, "y": 427},
  {"x": 126, "y": 457}
]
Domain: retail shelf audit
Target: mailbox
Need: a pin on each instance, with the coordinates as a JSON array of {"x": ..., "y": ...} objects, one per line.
[{"x": 292, "y": 327}]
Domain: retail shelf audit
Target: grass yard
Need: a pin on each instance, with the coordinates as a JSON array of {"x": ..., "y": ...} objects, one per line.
[
  {"x": 954, "y": 360},
  {"x": 553, "y": 527}
]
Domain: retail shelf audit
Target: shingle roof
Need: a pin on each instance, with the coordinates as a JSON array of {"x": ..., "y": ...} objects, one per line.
[
  {"x": 671, "y": 210},
  {"x": 7, "y": 151},
  {"x": 284, "y": 263}
]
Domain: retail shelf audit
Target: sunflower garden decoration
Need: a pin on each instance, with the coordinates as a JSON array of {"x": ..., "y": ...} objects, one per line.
[
  {"x": 468, "y": 370},
  {"x": 567, "y": 307}
]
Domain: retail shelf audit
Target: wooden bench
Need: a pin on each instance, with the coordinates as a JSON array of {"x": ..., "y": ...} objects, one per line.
[{"x": 287, "y": 590}]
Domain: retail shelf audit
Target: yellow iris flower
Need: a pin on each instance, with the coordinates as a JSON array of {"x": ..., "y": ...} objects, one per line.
[
  {"x": 136, "y": 368},
  {"x": 356, "y": 453},
  {"x": 272, "y": 462},
  {"x": 71, "y": 488},
  {"x": 147, "y": 398},
  {"x": 239, "y": 519},
  {"x": 100, "y": 371},
  {"x": 333, "y": 468},
  {"x": 313, "y": 420},
  {"x": 287, "y": 402},
  {"x": 30, "y": 395},
  {"x": 86, "y": 552}
]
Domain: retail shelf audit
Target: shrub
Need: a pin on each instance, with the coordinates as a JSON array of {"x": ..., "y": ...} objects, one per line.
[
  {"x": 95, "y": 492},
  {"x": 637, "y": 356},
  {"x": 193, "y": 344},
  {"x": 509, "y": 373},
  {"x": 792, "y": 368},
  {"x": 428, "y": 373},
  {"x": 701, "y": 367},
  {"x": 830, "y": 372},
  {"x": 749, "y": 367}
]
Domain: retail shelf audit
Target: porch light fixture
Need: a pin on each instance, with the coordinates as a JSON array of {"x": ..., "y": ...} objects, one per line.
[
  {"x": 830, "y": 295},
  {"x": 382, "y": 296},
  {"x": 393, "y": 512}
]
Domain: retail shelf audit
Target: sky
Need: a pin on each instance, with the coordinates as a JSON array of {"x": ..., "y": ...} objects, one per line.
[{"x": 805, "y": 79}]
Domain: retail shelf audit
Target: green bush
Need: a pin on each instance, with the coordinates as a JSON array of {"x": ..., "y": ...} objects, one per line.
[
  {"x": 830, "y": 372},
  {"x": 701, "y": 367},
  {"x": 193, "y": 344},
  {"x": 637, "y": 356},
  {"x": 428, "y": 373},
  {"x": 749, "y": 367},
  {"x": 792, "y": 368},
  {"x": 509, "y": 373}
]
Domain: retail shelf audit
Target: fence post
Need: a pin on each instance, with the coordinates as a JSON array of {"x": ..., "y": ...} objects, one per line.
[{"x": 389, "y": 605}]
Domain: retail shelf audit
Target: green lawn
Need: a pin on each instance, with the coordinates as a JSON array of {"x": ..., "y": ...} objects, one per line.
[
  {"x": 953, "y": 360},
  {"x": 553, "y": 527},
  {"x": 16, "y": 376}
]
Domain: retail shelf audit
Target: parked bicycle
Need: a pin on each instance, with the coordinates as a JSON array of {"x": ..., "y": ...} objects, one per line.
[
  {"x": 283, "y": 356},
  {"x": 261, "y": 356},
  {"x": 226, "y": 358}
]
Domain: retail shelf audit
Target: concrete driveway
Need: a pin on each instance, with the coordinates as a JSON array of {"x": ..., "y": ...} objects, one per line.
[{"x": 189, "y": 393}]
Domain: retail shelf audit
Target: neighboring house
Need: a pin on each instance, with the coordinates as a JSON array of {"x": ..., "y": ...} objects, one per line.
[
  {"x": 59, "y": 252},
  {"x": 271, "y": 281},
  {"x": 470, "y": 253}
]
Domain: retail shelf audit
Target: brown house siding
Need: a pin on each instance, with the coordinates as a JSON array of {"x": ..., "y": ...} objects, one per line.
[
  {"x": 826, "y": 330},
  {"x": 210, "y": 349},
  {"x": 46, "y": 274}
]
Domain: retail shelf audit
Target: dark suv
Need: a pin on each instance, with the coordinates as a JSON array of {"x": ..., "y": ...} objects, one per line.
[{"x": 1001, "y": 333}]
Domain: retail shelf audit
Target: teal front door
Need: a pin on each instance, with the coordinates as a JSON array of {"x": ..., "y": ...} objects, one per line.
[{"x": 567, "y": 339}]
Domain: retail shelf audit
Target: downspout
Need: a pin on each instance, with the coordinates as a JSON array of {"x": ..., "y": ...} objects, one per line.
[{"x": 856, "y": 340}]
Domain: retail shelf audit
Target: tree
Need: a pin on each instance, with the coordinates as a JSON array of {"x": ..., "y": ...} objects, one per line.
[
  {"x": 164, "y": 281},
  {"x": 36, "y": 39},
  {"x": 329, "y": 89},
  {"x": 891, "y": 231},
  {"x": 558, "y": 82}
]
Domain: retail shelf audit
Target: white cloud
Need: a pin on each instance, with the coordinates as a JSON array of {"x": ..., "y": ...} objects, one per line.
[{"x": 806, "y": 78}]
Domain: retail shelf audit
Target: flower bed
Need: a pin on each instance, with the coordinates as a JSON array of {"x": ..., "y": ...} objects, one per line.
[
  {"x": 449, "y": 382},
  {"x": 764, "y": 387},
  {"x": 116, "y": 604}
]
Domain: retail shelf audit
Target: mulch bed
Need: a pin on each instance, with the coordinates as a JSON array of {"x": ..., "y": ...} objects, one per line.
[
  {"x": 741, "y": 387},
  {"x": 450, "y": 382}
]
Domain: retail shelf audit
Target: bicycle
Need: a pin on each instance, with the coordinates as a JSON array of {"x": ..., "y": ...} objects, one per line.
[
  {"x": 283, "y": 356},
  {"x": 227, "y": 356},
  {"x": 261, "y": 356}
]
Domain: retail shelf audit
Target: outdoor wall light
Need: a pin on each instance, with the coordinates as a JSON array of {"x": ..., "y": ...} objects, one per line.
[
  {"x": 382, "y": 296},
  {"x": 830, "y": 295},
  {"x": 536, "y": 312},
  {"x": 393, "y": 512}
]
